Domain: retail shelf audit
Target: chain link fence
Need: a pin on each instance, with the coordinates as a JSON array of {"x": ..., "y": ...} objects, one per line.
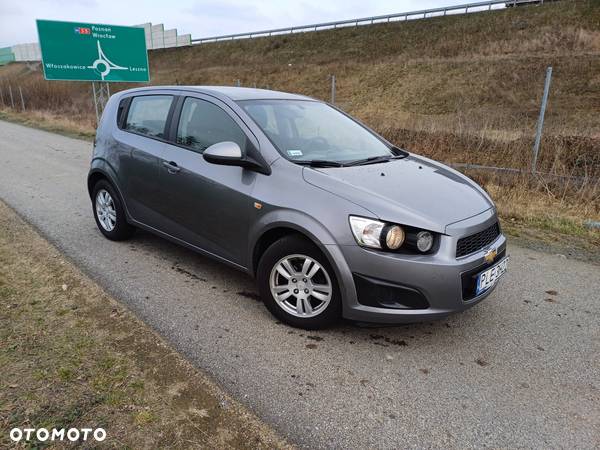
[
  {"x": 480, "y": 149},
  {"x": 12, "y": 97}
]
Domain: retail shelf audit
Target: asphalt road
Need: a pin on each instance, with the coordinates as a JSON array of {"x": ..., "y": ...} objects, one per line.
[{"x": 521, "y": 369}]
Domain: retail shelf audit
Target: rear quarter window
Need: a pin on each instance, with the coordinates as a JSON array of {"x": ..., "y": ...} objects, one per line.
[
  {"x": 148, "y": 115},
  {"x": 120, "y": 111}
]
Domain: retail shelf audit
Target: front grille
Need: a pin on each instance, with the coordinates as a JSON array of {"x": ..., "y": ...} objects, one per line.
[{"x": 475, "y": 242}]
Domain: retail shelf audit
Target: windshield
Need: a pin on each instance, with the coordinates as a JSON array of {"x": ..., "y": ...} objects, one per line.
[{"x": 304, "y": 130}]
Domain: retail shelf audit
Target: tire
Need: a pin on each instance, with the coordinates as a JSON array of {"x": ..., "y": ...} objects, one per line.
[
  {"x": 304, "y": 300},
  {"x": 113, "y": 226}
]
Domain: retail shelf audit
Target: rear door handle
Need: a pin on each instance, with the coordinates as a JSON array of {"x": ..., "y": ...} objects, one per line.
[{"x": 171, "y": 166}]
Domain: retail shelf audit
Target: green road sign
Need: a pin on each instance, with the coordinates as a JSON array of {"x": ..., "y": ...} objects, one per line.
[{"x": 92, "y": 52}]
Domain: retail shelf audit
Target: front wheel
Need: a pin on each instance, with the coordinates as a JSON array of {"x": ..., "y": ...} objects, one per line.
[{"x": 298, "y": 285}]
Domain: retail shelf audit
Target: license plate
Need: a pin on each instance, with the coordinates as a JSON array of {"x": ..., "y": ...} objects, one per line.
[{"x": 489, "y": 277}]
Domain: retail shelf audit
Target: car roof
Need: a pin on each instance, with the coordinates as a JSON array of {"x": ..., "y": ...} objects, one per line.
[{"x": 231, "y": 92}]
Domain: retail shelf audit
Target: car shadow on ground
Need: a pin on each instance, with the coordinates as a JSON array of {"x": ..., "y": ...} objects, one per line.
[{"x": 196, "y": 267}]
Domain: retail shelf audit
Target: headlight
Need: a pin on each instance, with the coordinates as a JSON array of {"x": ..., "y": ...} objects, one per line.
[
  {"x": 394, "y": 237},
  {"x": 388, "y": 236}
]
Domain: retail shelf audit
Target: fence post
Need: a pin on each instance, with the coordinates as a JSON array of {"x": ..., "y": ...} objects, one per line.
[
  {"x": 333, "y": 89},
  {"x": 540, "y": 124},
  {"x": 2, "y": 96},
  {"x": 12, "y": 102},
  {"x": 95, "y": 102},
  {"x": 22, "y": 101}
]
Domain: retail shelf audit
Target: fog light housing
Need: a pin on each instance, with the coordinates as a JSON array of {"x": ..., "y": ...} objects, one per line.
[{"x": 424, "y": 241}]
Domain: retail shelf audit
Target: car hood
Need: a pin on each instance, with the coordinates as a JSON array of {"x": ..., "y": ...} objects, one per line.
[{"x": 413, "y": 191}]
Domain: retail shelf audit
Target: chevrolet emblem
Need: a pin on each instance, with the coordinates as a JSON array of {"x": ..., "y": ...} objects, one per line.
[{"x": 490, "y": 255}]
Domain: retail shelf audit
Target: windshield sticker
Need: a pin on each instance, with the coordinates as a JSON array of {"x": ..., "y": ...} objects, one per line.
[{"x": 294, "y": 152}]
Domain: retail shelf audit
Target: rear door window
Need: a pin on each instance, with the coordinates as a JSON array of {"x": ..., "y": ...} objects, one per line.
[
  {"x": 148, "y": 115},
  {"x": 203, "y": 124}
]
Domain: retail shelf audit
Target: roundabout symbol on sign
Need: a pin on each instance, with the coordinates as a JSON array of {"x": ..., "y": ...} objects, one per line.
[{"x": 104, "y": 65}]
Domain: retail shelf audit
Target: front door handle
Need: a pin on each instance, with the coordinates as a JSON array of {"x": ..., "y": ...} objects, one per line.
[{"x": 171, "y": 166}]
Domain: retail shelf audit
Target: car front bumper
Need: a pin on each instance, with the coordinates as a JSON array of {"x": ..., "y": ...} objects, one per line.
[{"x": 426, "y": 286}]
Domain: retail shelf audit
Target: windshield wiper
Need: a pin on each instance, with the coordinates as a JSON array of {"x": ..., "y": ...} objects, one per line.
[
  {"x": 358, "y": 162},
  {"x": 320, "y": 163},
  {"x": 374, "y": 160}
]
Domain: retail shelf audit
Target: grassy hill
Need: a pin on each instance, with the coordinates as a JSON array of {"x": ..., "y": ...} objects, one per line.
[{"x": 458, "y": 88}]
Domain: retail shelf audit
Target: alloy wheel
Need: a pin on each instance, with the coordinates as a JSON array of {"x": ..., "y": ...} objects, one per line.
[
  {"x": 300, "y": 286},
  {"x": 105, "y": 210}
]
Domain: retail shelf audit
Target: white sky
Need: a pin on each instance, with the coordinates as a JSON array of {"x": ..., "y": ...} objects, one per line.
[{"x": 201, "y": 18}]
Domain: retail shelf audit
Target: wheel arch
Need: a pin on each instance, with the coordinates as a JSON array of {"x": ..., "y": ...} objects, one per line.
[
  {"x": 266, "y": 239},
  {"x": 93, "y": 178},
  {"x": 102, "y": 171},
  {"x": 296, "y": 224}
]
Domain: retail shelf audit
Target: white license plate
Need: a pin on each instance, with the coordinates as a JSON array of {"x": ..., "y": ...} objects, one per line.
[{"x": 489, "y": 277}]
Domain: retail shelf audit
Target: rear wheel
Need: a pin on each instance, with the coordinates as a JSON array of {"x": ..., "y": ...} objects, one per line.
[
  {"x": 109, "y": 212},
  {"x": 298, "y": 285}
]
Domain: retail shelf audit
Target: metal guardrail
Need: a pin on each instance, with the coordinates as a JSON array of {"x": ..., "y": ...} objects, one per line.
[{"x": 404, "y": 16}]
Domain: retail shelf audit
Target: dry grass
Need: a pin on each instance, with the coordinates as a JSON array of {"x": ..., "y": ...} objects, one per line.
[
  {"x": 71, "y": 356},
  {"x": 457, "y": 89},
  {"x": 52, "y": 121}
]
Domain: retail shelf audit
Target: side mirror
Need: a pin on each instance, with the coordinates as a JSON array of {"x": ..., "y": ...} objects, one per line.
[
  {"x": 225, "y": 153},
  {"x": 230, "y": 154}
]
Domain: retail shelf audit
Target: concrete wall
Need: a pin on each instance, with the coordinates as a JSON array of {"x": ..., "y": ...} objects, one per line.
[
  {"x": 27, "y": 52},
  {"x": 158, "y": 37}
]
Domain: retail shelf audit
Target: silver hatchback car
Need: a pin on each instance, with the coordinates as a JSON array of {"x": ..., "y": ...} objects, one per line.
[{"x": 330, "y": 218}]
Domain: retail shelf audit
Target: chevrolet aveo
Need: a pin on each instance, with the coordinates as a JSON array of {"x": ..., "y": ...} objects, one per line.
[{"x": 330, "y": 218}]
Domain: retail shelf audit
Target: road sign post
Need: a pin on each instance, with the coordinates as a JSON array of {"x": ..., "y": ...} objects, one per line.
[
  {"x": 100, "y": 53},
  {"x": 101, "y": 93}
]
